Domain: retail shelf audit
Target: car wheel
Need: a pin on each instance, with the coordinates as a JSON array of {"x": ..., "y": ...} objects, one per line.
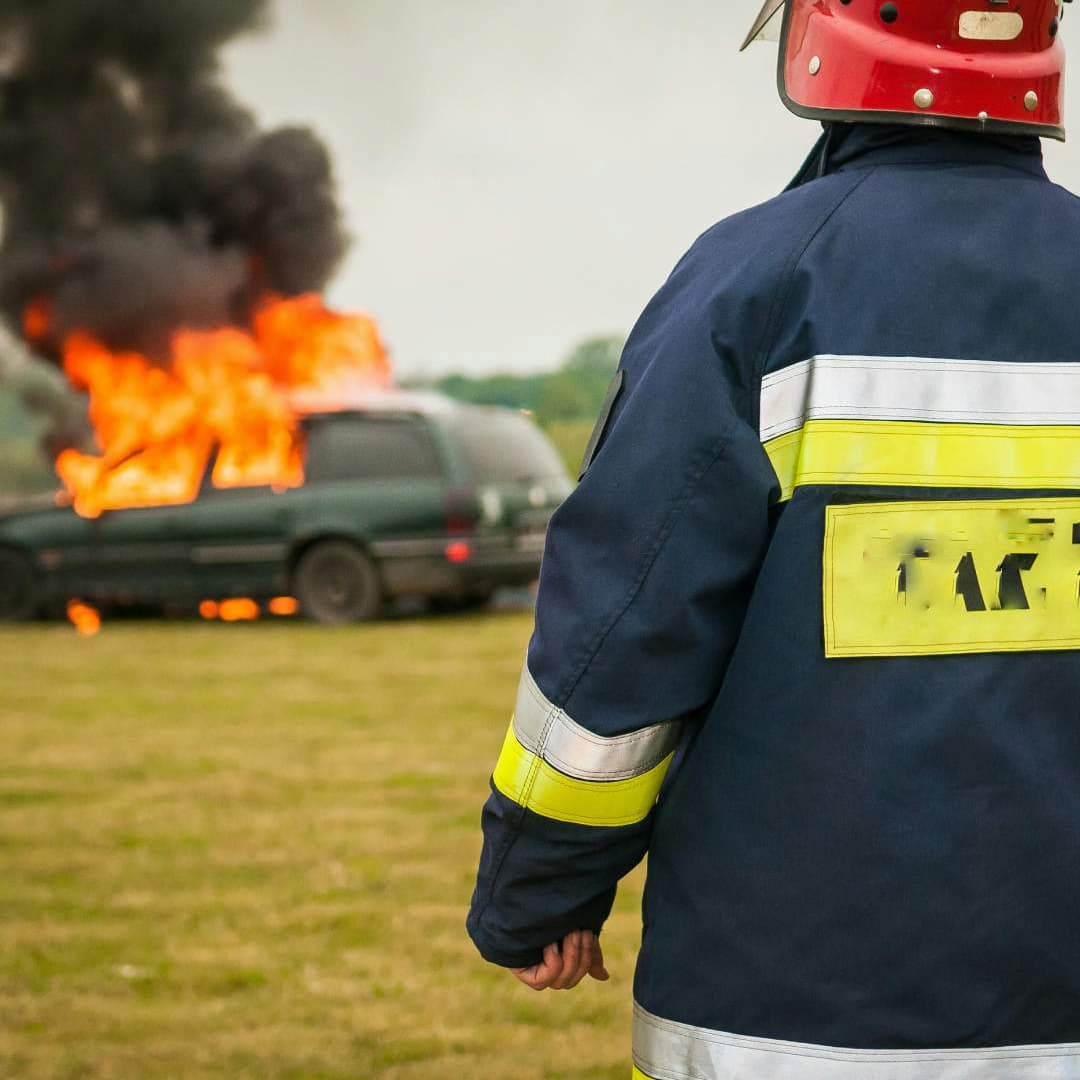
[
  {"x": 18, "y": 590},
  {"x": 335, "y": 584}
]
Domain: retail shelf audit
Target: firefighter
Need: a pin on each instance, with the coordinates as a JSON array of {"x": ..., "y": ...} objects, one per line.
[{"x": 807, "y": 631}]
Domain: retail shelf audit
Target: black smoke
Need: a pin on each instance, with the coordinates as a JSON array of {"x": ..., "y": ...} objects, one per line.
[{"x": 137, "y": 195}]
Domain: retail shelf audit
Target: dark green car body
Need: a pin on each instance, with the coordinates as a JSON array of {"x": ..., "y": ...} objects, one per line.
[{"x": 433, "y": 499}]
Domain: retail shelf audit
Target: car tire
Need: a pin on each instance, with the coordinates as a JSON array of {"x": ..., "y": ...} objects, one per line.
[
  {"x": 336, "y": 583},
  {"x": 19, "y": 598}
]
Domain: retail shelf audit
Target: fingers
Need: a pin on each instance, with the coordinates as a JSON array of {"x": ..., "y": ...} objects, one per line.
[
  {"x": 571, "y": 959},
  {"x": 580, "y": 952},
  {"x": 543, "y": 975},
  {"x": 585, "y": 963},
  {"x": 565, "y": 964},
  {"x": 588, "y": 941},
  {"x": 598, "y": 970}
]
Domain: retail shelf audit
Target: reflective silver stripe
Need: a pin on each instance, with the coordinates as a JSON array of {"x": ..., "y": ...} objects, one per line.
[
  {"x": 910, "y": 388},
  {"x": 664, "y": 1050},
  {"x": 545, "y": 730}
]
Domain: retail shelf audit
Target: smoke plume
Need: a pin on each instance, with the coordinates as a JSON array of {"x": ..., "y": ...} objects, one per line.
[{"x": 137, "y": 194}]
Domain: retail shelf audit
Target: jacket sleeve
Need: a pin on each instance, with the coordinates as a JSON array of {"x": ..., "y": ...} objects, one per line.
[{"x": 645, "y": 580}]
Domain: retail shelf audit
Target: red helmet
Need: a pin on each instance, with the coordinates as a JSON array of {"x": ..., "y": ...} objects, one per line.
[{"x": 978, "y": 65}]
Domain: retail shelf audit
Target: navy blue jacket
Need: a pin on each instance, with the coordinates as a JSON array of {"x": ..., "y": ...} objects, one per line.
[{"x": 806, "y": 634}]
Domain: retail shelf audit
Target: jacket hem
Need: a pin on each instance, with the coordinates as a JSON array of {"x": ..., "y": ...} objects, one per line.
[{"x": 667, "y": 1050}]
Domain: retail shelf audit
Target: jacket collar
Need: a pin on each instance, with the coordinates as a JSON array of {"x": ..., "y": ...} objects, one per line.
[{"x": 844, "y": 147}]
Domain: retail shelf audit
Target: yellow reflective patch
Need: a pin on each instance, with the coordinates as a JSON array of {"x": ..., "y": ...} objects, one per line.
[
  {"x": 922, "y": 578},
  {"x": 637, "y": 1074},
  {"x": 917, "y": 454},
  {"x": 531, "y": 782}
]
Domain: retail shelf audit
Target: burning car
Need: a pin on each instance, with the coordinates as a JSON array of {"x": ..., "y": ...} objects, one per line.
[
  {"x": 243, "y": 445},
  {"x": 406, "y": 495},
  {"x": 275, "y": 463}
]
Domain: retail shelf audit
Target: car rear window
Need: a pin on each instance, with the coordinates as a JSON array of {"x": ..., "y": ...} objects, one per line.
[
  {"x": 357, "y": 448},
  {"x": 500, "y": 445}
]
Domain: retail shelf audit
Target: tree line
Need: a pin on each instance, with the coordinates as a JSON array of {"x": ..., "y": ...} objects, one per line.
[{"x": 573, "y": 392}]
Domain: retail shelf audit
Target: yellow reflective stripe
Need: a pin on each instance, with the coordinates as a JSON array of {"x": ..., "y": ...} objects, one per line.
[
  {"x": 637, "y": 1074},
  {"x": 918, "y": 454},
  {"x": 784, "y": 455},
  {"x": 531, "y": 782}
]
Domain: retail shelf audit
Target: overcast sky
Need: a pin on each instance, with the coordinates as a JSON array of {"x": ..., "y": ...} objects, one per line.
[{"x": 519, "y": 175}]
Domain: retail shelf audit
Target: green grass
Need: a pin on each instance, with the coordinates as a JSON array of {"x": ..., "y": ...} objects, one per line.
[{"x": 247, "y": 851}]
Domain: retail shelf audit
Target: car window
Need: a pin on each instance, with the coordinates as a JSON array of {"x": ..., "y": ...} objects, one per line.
[
  {"x": 356, "y": 448},
  {"x": 501, "y": 445}
]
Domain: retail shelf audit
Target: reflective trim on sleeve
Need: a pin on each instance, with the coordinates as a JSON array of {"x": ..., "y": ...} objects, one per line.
[
  {"x": 528, "y": 780},
  {"x": 664, "y": 1050},
  {"x": 912, "y": 388},
  {"x": 908, "y": 454},
  {"x": 544, "y": 729}
]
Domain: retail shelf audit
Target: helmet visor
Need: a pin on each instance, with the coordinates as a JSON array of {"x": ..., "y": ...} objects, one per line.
[{"x": 767, "y": 25}]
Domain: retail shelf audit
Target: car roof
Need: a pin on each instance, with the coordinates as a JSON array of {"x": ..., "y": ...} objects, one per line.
[
  {"x": 397, "y": 403},
  {"x": 389, "y": 403}
]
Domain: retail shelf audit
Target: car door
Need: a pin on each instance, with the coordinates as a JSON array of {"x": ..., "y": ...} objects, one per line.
[
  {"x": 136, "y": 556},
  {"x": 236, "y": 540}
]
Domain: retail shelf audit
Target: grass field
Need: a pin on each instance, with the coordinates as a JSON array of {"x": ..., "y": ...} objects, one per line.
[{"x": 247, "y": 851}]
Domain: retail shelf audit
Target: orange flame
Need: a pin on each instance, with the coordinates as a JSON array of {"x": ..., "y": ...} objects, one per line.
[
  {"x": 240, "y": 609},
  {"x": 84, "y": 618},
  {"x": 229, "y": 395},
  {"x": 244, "y": 609}
]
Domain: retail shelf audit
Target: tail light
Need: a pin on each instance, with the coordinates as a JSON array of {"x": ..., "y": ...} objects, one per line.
[
  {"x": 459, "y": 551},
  {"x": 462, "y": 517},
  {"x": 462, "y": 511}
]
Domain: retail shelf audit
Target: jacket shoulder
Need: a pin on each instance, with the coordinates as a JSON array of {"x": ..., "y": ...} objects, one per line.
[
  {"x": 718, "y": 306},
  {"x": 757, "y": 246}
]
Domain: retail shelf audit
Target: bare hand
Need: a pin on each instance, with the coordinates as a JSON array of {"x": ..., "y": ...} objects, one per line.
[{"x": 563, "y": 967}]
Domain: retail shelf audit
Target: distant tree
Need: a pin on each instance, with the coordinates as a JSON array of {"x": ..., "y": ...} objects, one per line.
[
  {"x": 512, "y": 391},
  {"x": 596, "y": 356},
  {"x": 588, "y": 370},
  {"x": 564, "y": 396},
  {"x": 574, "y": 392}
]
